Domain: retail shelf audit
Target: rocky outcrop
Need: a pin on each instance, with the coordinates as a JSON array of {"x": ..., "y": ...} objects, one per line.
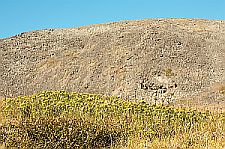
[{"x": 148, "y": 59}]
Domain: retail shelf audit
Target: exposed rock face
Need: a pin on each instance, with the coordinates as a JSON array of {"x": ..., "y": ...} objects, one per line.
[{"x": 133, "y": 59}]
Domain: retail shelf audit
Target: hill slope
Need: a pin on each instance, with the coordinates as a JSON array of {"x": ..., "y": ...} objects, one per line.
[{"x": 131, "y": 59}]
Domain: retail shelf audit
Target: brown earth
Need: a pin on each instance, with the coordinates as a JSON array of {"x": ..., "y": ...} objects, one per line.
[{"x": 178, "y": 60}]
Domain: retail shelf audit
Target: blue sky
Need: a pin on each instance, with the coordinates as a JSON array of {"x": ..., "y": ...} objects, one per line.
[{"x": 18, "y": 16}]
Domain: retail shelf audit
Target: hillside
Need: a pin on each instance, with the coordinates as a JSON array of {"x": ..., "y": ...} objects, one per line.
[{"x": 157, "y": 58}]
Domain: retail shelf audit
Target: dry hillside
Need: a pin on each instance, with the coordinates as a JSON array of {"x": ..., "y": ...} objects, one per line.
[{"x": 170, "y": 59}]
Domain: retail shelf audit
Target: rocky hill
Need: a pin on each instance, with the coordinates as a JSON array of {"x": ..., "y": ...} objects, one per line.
[{"x": 166, "y": 59}]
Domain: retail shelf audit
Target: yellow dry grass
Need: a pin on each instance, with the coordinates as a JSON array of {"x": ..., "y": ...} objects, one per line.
[{"x": 137, "y": 125}]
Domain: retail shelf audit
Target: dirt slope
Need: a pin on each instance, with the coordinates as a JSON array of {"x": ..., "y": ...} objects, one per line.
[{"x": 155, "y": 58}]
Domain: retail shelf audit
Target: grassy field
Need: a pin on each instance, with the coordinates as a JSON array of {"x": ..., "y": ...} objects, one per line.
[{"x": 59, "y": 119}]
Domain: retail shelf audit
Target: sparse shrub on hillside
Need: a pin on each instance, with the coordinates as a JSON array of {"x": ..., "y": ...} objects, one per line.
[
  {"x": 70, "y": 120},
  {"x": 169, "y": 72}
]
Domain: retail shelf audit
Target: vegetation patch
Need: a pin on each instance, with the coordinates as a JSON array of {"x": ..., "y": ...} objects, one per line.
[{"x": 58, "y": 119}]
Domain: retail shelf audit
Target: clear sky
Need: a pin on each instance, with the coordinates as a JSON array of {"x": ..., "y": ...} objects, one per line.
[{"x": 18, "y": 16}]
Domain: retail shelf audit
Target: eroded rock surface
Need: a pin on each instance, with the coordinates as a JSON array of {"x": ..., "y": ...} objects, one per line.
[{"x": 132, "y": 59}]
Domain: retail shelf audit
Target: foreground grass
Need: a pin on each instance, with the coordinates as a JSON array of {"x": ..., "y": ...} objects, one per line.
[{"x": 70, "y": 120}]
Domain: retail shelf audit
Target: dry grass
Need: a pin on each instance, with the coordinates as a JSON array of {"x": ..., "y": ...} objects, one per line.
[{"x": 88, "y": 120}]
